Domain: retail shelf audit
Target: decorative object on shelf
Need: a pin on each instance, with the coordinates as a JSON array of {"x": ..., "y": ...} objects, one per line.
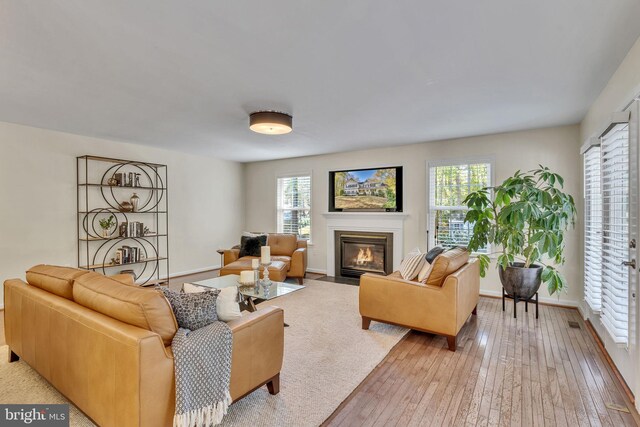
[
  {"x": 134, "y": 202},
  {"x": 270, "y": 122},
  {"x": 119, "y": 177},
  {"x": 130, "y": 240},
  {"x": 132, "y": 229},
  {"x": 106, "y": 224},
  {"x": 527, "y": 216},
  {"x": 126, "y": 206}
]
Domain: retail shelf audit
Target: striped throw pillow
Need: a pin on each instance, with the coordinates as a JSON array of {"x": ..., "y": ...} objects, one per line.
[{"x": 411, "y": 265}]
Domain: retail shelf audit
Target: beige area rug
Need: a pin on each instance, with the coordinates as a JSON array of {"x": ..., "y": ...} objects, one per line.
[{"x": 327, "y": 355}]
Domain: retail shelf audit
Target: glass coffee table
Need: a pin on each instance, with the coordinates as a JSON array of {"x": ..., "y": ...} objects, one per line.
[{"x": 250, "y": 294}]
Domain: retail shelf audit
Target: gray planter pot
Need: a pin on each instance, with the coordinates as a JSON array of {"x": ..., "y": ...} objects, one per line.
[{"x": 521, "y": 282}]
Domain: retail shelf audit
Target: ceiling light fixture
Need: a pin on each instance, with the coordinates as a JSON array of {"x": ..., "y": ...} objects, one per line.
[{"x": 270, "y": 122}]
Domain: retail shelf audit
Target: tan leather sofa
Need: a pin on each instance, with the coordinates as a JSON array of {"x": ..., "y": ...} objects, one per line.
[
  {"x": 286, "y": 248},
  {"x": 440, "y": 306},
  {"x": 106, "y": 344}
]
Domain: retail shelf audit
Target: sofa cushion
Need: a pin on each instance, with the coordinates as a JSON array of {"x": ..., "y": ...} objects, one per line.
[
  {"x": 142, "y": 307},
  {"x": 447, "y": 263},
  {"x": 412, "y": 264},
  {"x": 433, "y": 253},
  {"x": 54, "y": 279},
  {"x": 424, "y": 272},
  {"x": 193, "y": 310},
  {"x": 250, "y": 246},
  {"x": 282, "y": 244},
  {"x": 282, "y": 258},
  {"x": 227, "y": 306}
]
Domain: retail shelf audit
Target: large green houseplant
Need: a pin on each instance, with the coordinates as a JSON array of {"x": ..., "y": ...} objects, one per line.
[{"x": 525, "y": 217}]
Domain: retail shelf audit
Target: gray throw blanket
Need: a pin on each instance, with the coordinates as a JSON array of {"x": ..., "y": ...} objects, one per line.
[{"x": 203, "y": 372}]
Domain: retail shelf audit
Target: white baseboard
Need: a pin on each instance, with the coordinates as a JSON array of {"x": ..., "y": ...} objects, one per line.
[
  {"x": 197, "y": 270},
  {"x": 546, "y": 300},
  {"x": 316, "y": 270}
]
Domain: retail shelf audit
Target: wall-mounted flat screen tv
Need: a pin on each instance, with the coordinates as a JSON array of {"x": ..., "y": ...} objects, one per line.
[{"x": 378, "y": 189}]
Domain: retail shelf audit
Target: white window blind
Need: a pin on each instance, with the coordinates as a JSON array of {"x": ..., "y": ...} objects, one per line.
[
  {"x": 615, "y": 232},
  {"x": 592, "y": 229},
  {"x": 294, "y": 205},
  {"x": 449, "y": 186}
]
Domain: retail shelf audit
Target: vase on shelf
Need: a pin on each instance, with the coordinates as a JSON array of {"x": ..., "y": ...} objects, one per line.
[
  {"x": 134, "y": 202},
  {"x": 105, "y": 232}
]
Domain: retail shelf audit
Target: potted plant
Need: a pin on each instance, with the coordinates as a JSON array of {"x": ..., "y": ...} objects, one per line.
[
  {"x": 106, "y": 224},
  {"x": 526, "y": 217}
]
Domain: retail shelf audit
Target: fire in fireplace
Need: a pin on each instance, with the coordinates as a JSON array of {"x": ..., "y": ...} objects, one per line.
[{"x": 363, "y": 252}]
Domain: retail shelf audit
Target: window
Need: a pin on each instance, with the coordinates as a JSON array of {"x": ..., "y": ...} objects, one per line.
[
  {"x": 449, "y": 186},
  {"x": 294, "y": 205},
  {"x": 615, "y": 232},
  {"x": 592, "y": 229}
]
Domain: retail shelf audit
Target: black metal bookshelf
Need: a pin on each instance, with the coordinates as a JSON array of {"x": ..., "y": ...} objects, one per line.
[{"x": 100, "y": 195}]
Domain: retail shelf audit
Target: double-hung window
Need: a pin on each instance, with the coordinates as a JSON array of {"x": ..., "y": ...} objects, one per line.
[
  {"x": 449, "y": 185},
  {"x": 294, "y": 205}
]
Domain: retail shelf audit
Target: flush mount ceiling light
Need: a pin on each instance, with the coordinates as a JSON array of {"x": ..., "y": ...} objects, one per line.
[{"x": 270, "y": 122}]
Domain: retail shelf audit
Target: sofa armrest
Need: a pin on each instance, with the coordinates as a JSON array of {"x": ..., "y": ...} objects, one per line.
[
  {"x": 411, "y": 304},
  {"x": 258, "y": 349},
  {"x": 298, "y": 266},
  {"x": 301, "y": 244},
  {"x": 230, "y": 255}
]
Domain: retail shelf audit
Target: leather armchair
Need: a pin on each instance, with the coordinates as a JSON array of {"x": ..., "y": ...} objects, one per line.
[
  {"x": 284, "y": 247},
  {"x": 441, "y": 310}
]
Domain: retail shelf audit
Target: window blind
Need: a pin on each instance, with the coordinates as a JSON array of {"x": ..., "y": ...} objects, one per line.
[
  {"x": 449, "y": 186},
  {"x": 294, "y": 205},
  {"x": 592, "y": 229},
  {"x": 615, "y": 232}
]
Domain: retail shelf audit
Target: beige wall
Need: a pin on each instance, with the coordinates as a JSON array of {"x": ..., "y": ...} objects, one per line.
[
  {"x": 619, "y": 91},
  {"x": 555, "y": 147},
  {"x": 38, "y": 199}
]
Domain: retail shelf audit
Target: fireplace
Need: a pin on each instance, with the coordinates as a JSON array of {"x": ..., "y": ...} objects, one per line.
[{"x": 359, "y": 252}]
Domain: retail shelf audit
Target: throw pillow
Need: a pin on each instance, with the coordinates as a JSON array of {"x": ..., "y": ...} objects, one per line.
[
  {"x": 424, "y": 272},
  {"x": 433, "y": 253},
  {"x": 411, "y": 265},
  {"x": 227, "y": 306},
  {"x": 250, "y": 246},
  {"x": 192, "y": 311}
]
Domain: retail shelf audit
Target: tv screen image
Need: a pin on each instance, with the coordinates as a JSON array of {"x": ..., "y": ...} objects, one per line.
[{"x": 364, "y": 189}]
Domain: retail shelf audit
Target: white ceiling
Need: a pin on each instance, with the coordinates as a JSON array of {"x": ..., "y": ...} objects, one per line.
[{"x": 354, "y": 74}]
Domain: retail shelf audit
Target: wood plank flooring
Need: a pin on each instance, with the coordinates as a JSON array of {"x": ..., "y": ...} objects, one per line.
[{"x": 505, "y": 372}]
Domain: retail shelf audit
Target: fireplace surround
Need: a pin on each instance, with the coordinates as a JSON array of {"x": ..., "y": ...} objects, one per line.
[{"x": 359, "y": 252}]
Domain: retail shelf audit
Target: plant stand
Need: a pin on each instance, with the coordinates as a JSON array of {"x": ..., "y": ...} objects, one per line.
[{"x": 515, "y": 303}]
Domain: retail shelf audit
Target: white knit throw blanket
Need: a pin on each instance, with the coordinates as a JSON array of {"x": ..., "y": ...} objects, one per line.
[{"x": 203, "y": 373}]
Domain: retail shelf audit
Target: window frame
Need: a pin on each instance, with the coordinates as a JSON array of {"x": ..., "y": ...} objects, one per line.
[
  {"x": 279, "y": 210},
  {"x": 457, "y": 161}
]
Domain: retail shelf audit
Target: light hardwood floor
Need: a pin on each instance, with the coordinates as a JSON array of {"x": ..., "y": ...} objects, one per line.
[{"x": 505, "y": 372}]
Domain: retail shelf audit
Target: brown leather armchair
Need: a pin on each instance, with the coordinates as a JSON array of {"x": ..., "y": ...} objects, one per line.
[
  {"x": 440, "y": 306},
  {"x": 286, "y": 248}
]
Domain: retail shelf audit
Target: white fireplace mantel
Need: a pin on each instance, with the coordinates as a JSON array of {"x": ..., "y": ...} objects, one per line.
[{"x": 385, "y": 222}]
